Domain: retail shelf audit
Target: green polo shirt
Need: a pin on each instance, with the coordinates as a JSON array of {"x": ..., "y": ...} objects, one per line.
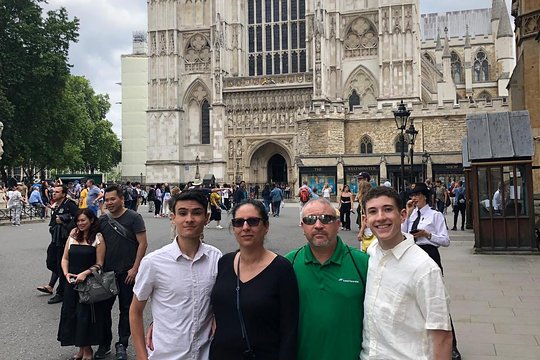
[{"x": 331, "y": 303}]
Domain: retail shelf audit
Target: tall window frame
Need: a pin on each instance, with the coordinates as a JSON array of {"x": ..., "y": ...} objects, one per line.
[
  {"x": 456, "y": 68},
  {"x": 366, "y": 145},
  {"x": 205, "y": 122},
  {"x": 481, "y": 67},
  {"x": 276, "y": 37}
]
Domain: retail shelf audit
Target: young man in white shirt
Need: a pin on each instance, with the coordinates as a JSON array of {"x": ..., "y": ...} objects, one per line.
[
  {"x": 178, "y": 278},
  {"x": 406, "y": 304}
]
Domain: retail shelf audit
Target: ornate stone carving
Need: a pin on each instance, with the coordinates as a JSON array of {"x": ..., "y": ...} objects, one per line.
[
  {"x": 396, "y": 18},
  {"x": 171, "y": 42},
  {"x": 153, "y": 44},
  {"x": 361, "y": 39},
  {"x": 231, "y": 149},
  {"x": 385, "y": 18},
  {"x": 197, "y": 53},
  {"x": 162, "y": 43},
  {"x": 285, "y": 79},
  {"x": 531, "y": 24},
  {"x": 408, "y": 18},
  {"x": 365, "y": 86}
]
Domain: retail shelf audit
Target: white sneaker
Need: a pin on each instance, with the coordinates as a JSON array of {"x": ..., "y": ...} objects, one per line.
[
  {"x": 207, "y": 226},
  {"x": 219, "y": 227}
]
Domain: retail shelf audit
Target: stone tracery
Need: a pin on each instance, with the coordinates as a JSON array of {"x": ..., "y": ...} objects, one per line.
[
  {"x": 361, "y": 39},
  {"x": 197, "y": 53}
]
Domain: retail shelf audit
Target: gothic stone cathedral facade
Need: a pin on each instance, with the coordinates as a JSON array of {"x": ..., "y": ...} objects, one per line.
[{"x": 294, "y": 90}]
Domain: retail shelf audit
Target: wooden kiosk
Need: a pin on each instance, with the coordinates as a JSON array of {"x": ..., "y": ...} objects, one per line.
[{"x": 500, "y": 150}]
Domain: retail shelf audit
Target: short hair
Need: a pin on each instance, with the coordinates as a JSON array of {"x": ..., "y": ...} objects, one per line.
[
  {"x": 321, "y": 200},
  {"x": 64, "y": 188},
  {"x": 383, "y": 191},
  {"x": 194, "y": 194},
  {"x": 258, "y": 205},
  {"x": 91, "y": 181},
  {"x": 117, "y": 188}
]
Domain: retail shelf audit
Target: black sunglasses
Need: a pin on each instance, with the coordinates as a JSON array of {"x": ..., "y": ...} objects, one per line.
[
  {"x": 252, "y": 221},
  {"x": 325, "y": 219}
]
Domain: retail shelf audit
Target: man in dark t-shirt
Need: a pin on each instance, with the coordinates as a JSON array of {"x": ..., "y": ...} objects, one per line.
[{"x": 125, "y": 238}]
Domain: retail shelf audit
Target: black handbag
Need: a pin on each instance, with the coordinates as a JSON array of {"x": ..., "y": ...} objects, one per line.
[{"x": 97, "y": 287}]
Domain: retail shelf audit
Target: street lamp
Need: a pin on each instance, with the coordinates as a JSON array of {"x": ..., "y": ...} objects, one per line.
[
  {"x": 401, "y": 116},
  {"x": 425, "y": 158},
  {"x": 412, "y": 137},
  {"x": 141, "y": 178},
  {"x": 197, "y": 175}
]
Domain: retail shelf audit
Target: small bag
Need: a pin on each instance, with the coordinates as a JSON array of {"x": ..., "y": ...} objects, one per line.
[{"x": 97, "y": 287}]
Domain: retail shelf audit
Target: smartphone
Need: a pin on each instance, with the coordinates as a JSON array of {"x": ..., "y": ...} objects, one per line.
[
  {"x": 414, "y": 231},
  {"x": 72, "y": 280}
]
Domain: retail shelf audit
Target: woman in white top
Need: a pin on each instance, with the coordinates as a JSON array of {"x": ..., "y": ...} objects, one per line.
[{"x": 327, "y": 191}]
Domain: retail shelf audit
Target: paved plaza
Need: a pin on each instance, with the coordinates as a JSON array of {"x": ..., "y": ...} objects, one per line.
[{"x": 495, "y": 298}]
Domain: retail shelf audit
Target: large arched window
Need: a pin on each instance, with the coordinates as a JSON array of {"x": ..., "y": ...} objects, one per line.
[
  {"x": 481, "y": 67},
  {"x": 277, "y": 35},
  {"x": 205, "y": 122},
  {"x": 354, "y": 99},
  {"x": 366, "y": 145},
  {"x": 457, "y": 70},
  {"x": 400, "y": 144}
]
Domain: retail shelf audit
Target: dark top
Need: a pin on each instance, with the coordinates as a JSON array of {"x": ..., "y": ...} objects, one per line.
[
  {"x": 269, "y": 304},
  {"x": 120, "y": 252},
  {"x": 81, "y": 324},
  {"x": 66, "y": 211}
]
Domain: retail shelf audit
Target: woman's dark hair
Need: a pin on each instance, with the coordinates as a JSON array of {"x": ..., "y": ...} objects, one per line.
[
  {"x": 258, "y": 205},
  {"x": 94, "y": 226},
  {"x": 348, "y": 187}
]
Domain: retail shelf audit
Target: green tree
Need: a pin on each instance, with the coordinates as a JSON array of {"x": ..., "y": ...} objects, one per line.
[{"x": 33, "y": 73}]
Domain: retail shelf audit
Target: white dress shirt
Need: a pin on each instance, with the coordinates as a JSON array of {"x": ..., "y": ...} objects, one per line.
[
  {"x": 405, "y": 298},
  {"x": 179, "y": 288},
  {"x": 433, "y": 222}
]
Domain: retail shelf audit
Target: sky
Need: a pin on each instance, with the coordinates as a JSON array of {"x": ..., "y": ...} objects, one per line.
[{"x": 106, "y": 30}]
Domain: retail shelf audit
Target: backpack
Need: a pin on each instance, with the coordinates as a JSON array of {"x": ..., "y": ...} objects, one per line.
[{"x": 304, "y": 195}]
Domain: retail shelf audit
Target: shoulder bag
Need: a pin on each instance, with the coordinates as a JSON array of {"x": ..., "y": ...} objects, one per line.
[{"x": 97, "y": 287}]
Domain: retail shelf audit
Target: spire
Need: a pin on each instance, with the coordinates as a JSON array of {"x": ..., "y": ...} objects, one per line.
[
  {"x": 467, "y": 37},
  {"x": 505, "y": 28},
  {"x": 438, "y": 45},
  {"x": 446, "y": 51},
  {"x": 496, "y": 9}
]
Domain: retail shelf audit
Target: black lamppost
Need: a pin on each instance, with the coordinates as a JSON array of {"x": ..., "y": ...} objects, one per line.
[
  {"x": 425, "y": 157},
  {"x": 412, "y": 138},
  {"x": 401, "y": 116}
]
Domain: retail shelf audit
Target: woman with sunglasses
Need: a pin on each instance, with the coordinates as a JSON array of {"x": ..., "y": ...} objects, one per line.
[{"x": 255, "y": 297}]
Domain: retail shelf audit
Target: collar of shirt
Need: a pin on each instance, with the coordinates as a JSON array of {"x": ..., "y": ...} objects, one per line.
[
  {"x": 335, "y": 258},
  {"x": 177, "y": 254},
  {"x": 422, "y": 210},
  {"x": 400, "y": 248}
]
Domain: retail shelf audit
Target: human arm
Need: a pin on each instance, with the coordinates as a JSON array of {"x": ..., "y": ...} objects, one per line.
[
  {"x": 64, "y": 263},
  {"x": 141, "y": 251},
  {"x": 435, "y": 231},
  {"x": 137, "y": 327},
  {"x": 442, "y": 344}
]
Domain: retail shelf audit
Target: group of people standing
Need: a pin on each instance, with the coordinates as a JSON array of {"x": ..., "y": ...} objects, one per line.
[
  {"x": 82, "y": 243},
  {"x": 325, "y": 300}
]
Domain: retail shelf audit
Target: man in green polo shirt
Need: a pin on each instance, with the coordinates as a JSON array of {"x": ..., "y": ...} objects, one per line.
[{"x": 331, "y": 282}]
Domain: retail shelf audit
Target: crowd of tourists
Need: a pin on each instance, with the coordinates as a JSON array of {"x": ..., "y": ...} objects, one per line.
[{"x": 325, "y": 300}]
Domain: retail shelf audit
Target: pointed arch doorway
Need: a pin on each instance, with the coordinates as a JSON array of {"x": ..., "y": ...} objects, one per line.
[{"x": 277, "y": 169}]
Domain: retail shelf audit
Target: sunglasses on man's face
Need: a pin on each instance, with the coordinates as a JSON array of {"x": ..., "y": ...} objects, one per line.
[
  {"x": 325, "y": 219},
  {"x": 252, "y": 221}
]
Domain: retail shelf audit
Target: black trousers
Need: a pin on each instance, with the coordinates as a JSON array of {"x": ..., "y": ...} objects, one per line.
[
  {"x": 433, "y": 253},
  {"x": 459, "y": 209},
  {"x": 125, "y": 295},
  {"x": 345, "y": 215},
  {"x": 59, "y": 272}
]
